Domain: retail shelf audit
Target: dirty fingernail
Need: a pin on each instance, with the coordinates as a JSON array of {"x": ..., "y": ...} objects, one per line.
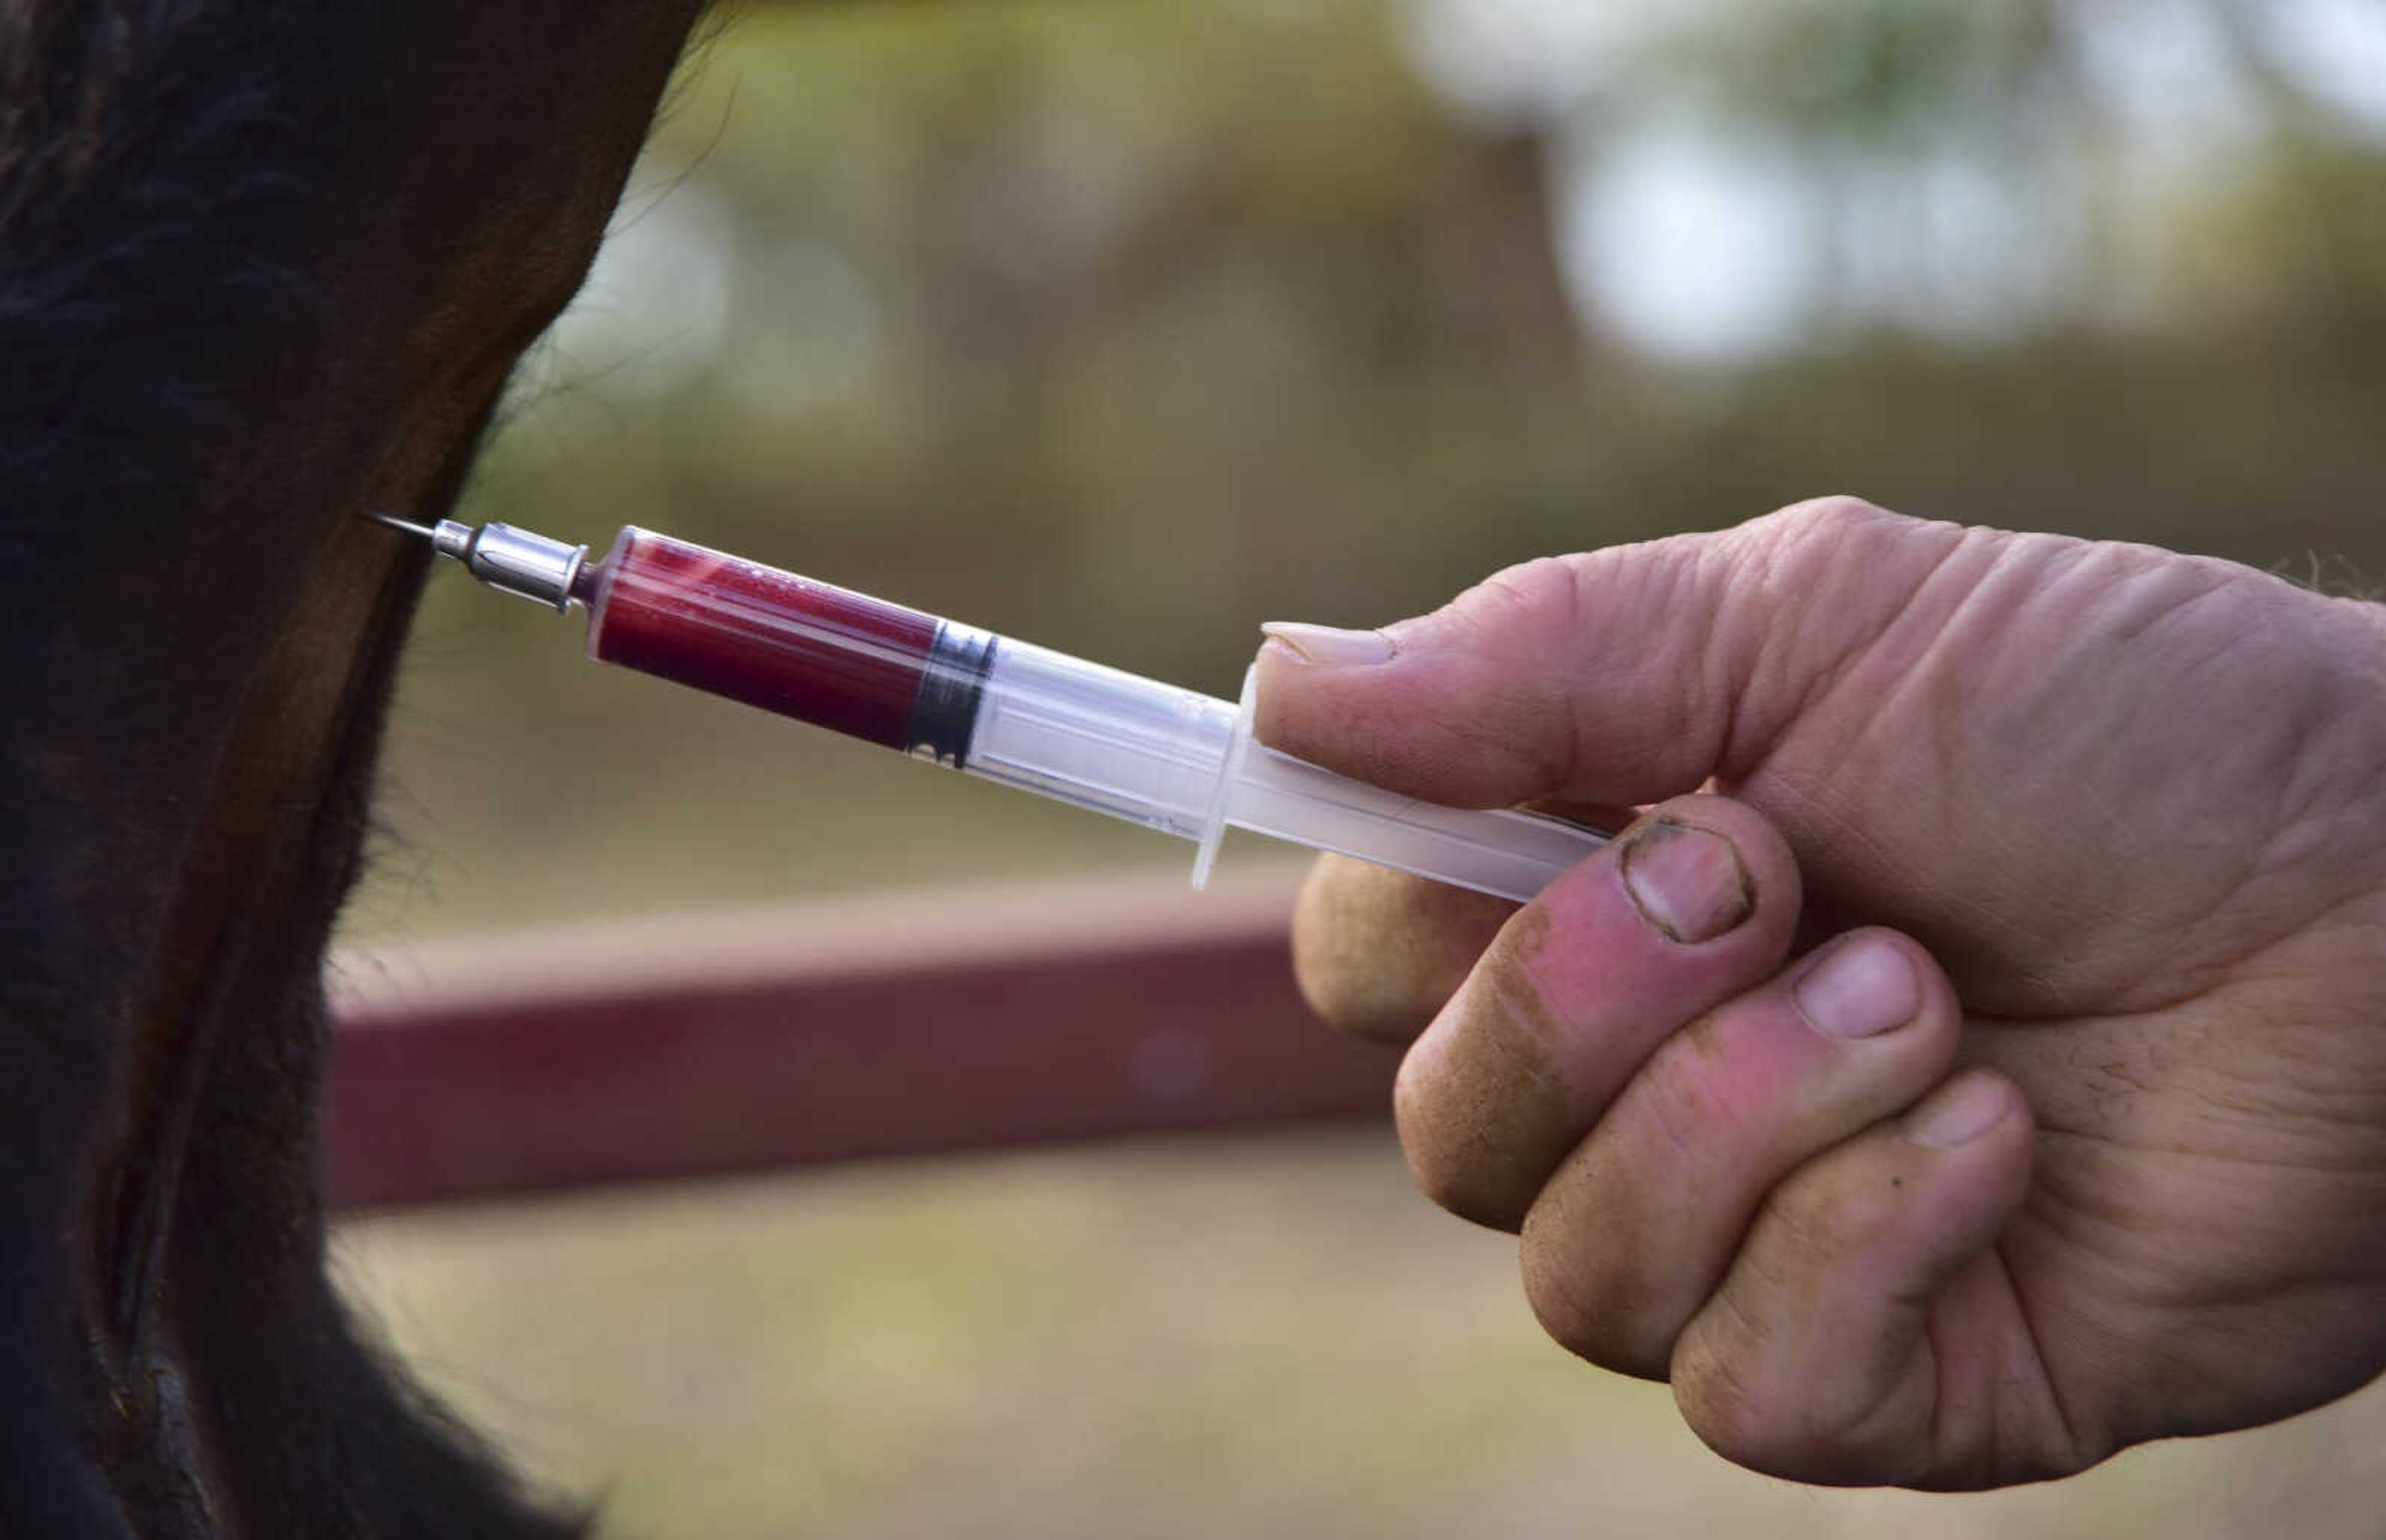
[
  {"x": 1687, "y": 882},
  {"x": 1958, "y": 1113},
  {"x": 1328, "y": 646},
  {"x": 1860, "y": 988}
]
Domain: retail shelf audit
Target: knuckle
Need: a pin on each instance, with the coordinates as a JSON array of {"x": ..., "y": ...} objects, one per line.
[
  {"x": 1738, "y": 1395},
  {"x": 1595, "y": 1302},
  {"x": 1531, "y": 593},
  {"x": 1333, "y": 969},
  {"x": 1718, "y": 1398},
  {"x": 1455, "y": 1159},
  {"x": 1356, "y": 1005},
  {"x": 1431, "y": 1169},
  {"x": 1481, "y": 1102},
  {"x": 1376, "y": 953},
  {"x": 1556, "y": 1298},
  {"x": 1563, "y": 1308},
  {"x": 1357, "y": 1002},
  {"x": 1461, "y": 1188},
  {"x": 1826, "y": 520}
]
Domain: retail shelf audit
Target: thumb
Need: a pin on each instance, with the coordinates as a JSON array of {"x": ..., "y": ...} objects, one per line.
[{"x": 1626, "y": 675}]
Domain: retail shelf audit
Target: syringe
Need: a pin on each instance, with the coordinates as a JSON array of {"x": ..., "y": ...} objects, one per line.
[{"x": 1171, "y": 760}]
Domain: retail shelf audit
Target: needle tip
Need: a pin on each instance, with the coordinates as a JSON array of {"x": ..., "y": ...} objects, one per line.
[{"x": 406, "y": 526}]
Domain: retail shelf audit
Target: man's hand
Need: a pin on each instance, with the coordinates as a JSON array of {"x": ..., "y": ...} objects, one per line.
[{"x": 1986, "y": 1070}]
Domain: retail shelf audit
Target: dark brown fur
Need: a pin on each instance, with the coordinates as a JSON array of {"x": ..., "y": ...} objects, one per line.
[{"x": 262, "y": 265}]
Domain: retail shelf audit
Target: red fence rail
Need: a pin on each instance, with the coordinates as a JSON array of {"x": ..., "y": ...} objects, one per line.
[{"x": 891, "y": 1026}]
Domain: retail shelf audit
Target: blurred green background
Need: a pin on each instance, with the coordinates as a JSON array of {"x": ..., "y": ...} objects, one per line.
[{"x": 1125, "y": 328}]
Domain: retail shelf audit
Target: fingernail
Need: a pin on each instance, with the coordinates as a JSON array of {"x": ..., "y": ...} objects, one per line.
[
  {"x": 1860, "y": 988},
  {"x": 1958, "y": 1113},
  {"x": 1687, "y": 882},
  {"x": 1328, "y": 646}
]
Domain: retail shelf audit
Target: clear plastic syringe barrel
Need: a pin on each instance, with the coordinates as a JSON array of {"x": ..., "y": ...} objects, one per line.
[
  {"x": 1131, "y": 747},
  {"x": 1134, "y": 748},
  {"x": 1185, "y": 763},
  {"x": 1497, "y": 851}
]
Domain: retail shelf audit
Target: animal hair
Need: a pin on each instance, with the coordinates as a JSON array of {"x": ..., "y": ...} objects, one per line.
[{"x": 260, "y": 260}]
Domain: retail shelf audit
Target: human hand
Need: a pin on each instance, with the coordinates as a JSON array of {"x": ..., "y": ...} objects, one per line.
[{"x": 1987, "y": 1071}]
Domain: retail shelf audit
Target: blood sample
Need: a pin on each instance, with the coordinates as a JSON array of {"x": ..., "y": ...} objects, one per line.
[{"x": 803, "y": 649}]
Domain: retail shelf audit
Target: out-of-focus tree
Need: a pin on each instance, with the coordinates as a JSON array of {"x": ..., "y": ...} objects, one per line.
[{"x": 1734, "y": 179}]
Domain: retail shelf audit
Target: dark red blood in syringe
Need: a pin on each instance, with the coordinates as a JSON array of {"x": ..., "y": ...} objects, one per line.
[{"x": 770, "y": 639}]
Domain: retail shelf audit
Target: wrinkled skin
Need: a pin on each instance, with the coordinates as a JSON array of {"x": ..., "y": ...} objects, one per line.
[{"x": 2102, "y": 829}]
